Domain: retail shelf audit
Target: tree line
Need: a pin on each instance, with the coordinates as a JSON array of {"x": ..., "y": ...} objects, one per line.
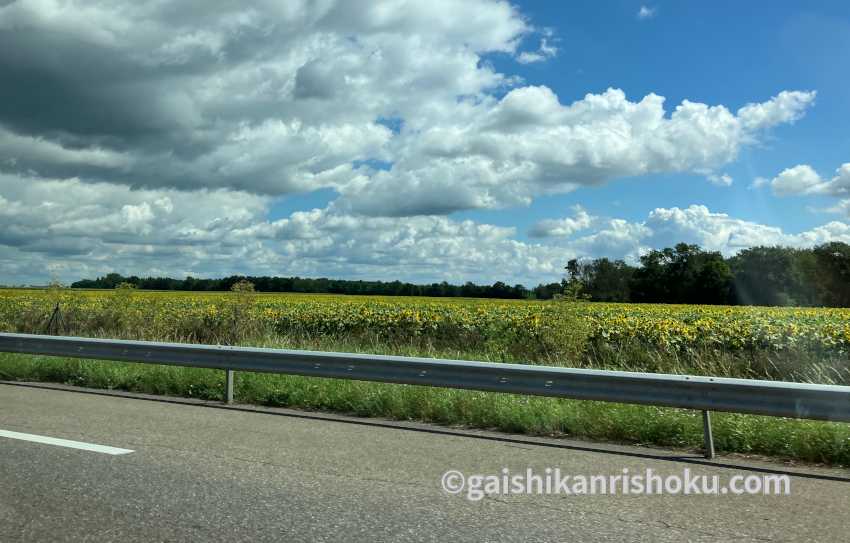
[
  {"x": 687, "y": 274},
  {"x": 310, "y": 285}
]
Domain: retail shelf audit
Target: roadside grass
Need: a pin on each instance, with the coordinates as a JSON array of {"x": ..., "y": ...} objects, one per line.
[{"x": 809, "y": 441}]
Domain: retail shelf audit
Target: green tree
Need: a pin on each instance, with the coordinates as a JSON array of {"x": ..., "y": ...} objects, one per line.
[
  {"x": 833, "y": 274},
  {"x": 774, "y": 276},
  {"x": 684, "y": 274},
  {"x": 608, "y": 281}
]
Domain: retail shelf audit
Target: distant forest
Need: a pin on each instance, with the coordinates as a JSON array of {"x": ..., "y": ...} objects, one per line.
[{"x": 779, "y": 276}]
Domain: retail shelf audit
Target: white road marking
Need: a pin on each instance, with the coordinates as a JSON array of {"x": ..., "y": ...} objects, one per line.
[{"x": 64, "y": 443}]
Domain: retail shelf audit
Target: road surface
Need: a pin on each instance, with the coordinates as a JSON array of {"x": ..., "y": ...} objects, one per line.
[{"x": 194, "y": 472}]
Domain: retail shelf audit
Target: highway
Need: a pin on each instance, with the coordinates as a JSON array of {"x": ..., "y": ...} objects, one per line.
[{"x": 134, "y": 468}]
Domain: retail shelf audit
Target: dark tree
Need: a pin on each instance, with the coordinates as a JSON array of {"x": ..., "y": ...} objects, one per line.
[
  {"x": 773, "y": 276},
  {"x": 833, "y": 274}
]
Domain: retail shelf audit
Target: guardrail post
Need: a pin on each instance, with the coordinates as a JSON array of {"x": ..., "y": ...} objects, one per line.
[
  {"x": 228, "y": 386},
  {"x": 708, "y": 439}
]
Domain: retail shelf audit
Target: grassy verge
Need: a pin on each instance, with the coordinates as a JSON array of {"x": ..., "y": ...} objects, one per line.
[{"x": 802, "y": 440}]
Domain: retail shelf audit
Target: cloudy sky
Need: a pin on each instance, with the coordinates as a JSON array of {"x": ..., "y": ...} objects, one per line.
[{"x": 419, "y": 140}]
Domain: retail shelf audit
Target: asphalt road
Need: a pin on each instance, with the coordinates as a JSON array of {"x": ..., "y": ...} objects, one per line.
[{"x": 199, "y": 473}]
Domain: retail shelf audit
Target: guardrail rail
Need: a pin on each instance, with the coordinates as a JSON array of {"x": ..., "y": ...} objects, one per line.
[{"x": 707, "y": 394}]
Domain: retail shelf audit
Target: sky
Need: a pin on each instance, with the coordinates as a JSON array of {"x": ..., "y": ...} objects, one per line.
[{"x": 468, "y": 140}]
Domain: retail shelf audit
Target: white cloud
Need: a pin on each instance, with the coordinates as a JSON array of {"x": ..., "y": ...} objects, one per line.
[
  {"x": 77, "y": 229},
  {"x": 785, "y": 107},
  {"x": 714, "y": 231},
  {"x": 39, "y": 211},
  {"x": 271, "y": 98},
  {"x": 278, "y": 98},
  {"x": 84, "y": 229},
  {"x": 646, "y": 12},
  {"x": 723, "y": 180},
  {"x": 565, "y": 227},
  {"x": 803, "y": 179},
  {"x": 797, "y": 180},
  {"x": 495, "y": 153},
  {"x": 545, "y": 52},
  {"x": 167, "y": 129},
  {"x": 615, "y": 238},
  {"x": 664, "y": 227}
]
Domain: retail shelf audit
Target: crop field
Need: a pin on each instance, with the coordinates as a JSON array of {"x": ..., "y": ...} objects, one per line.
[{"x": 799, "y": 344}]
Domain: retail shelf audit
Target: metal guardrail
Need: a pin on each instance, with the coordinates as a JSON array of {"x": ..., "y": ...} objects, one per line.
[{"x": 773, "y": 398}]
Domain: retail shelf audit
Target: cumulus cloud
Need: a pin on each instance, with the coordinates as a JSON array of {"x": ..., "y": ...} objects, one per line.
[
  {"x": 96, "y": 215},
  {"x": 153, "y": 138},
  {"x": 785, "y": 107},
  {"x": 270, "y": 98},
  {"x": 714, "y": 231},
  {"x": 614, "y": 238},
  {"x": 83, "y": 229},
  {"x": 497, "y": 153},
  {"x": 664, "y": 227},
  {"x": 75, "y": 229},
  {"x": 797, "y": 180},
  {"x": 567, "y": 226},
  {"x": 803, "y": 179},
  {"x": 278, "y": 98}
]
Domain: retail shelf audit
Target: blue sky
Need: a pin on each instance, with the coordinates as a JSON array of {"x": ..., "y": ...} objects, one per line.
[
  {"x": 725, "y": 52},
  {"x": 461, "y": 140},
  {"x": 721, "y": 52}
]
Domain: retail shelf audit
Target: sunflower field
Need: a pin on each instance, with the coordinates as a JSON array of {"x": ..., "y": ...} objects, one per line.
[
  {"x": 792, "y": 344},
  {"x": 562, "y": 333}
]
